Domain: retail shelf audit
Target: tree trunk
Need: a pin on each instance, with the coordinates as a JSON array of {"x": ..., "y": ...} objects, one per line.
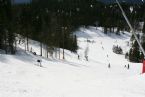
[
  {"x": 5, "y": 44},
  {"x": 59, "y": 53},
  {"x": 105, "y": 30},
  {"x": 27, "y": 42},
  {"x": 15, "y": 45},
  {"x": 41, "y": 48},
  {"x": 144, "y": 27},
  {"x": 113, "y": 29},
  {"x": 110, "y": 29},
  {"x": 47, "y": 53},
  {"x": 56, "y": 53},
  {"x": 63, "y": 54}
]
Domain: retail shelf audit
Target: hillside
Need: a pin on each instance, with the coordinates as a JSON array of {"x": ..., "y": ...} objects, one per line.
[{"x": 20, "y": 75}]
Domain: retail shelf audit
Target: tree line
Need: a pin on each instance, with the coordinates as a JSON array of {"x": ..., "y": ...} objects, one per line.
[{"x": 52, "y": 22}]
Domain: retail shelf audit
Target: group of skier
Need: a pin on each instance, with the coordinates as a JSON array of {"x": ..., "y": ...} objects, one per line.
[
  {"x": 86, "y": 57},
  {"x": 126, "y": 66},
  {"x": 109, "y": 65}
]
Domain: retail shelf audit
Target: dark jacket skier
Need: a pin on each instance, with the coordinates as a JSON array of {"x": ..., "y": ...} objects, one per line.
[
  {"x": 128, "y": 66},
  {"x": 109, "y": 65}
]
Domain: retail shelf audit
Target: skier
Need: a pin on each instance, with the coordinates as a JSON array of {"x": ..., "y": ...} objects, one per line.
[
  {"x": 86, "y": 58},
  {"x": 39, "y": 62},
  {"x": 125, "y": 66},
  {"x": 78, "y": 57},
  {"x": 19, "y": 41},
  {"x": 109, "y": 65},
  {"x": 128, "y": 66}
]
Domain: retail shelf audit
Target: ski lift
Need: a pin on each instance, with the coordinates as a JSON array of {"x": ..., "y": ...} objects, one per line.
[{"x": 132, "y": 30}]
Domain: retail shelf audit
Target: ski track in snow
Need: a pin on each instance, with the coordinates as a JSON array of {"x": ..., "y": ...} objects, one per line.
[{"x": 20, "y": 76}]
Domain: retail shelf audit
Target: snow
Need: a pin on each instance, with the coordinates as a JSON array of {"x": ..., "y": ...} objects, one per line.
[{"x": 20, "y": 75}]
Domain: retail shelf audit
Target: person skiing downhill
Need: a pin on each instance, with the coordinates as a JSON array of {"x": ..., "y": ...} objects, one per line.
[
  {"x": 86, "y": 58},
  {"x": 78, "y": 57},
  {"x": 109, "y": 65},
  {"x": 125, "y": 66},
  {"x": 128, "y": 66}
]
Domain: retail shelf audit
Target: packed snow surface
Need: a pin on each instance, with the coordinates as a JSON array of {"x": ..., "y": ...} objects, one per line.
[{"x": 20, "y": 75}]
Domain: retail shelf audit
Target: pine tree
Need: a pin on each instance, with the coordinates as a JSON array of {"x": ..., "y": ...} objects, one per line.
[
  {"x": 6, "y": 27},
  {"x": 134, "y": 53}
]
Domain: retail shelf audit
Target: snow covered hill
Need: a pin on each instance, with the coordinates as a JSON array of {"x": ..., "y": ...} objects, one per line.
[{"x": 20, "y": 75}]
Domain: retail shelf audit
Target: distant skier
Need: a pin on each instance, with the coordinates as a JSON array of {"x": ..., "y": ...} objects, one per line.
[
  {"x": 116, "y": 41},
  {"x": 109, "y": 66},
  {"x": 125, "y": 66},
  {"x": 78, "y": 57},
  {"x": 128, "y": 66},
  {"x": 86, "y": 58},
  {"x": 19, "y": 41},
  {"x": 39, "y": 62}
]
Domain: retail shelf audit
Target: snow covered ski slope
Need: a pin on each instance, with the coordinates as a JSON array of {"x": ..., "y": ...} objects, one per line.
[{"x": 21, "y": 77}]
